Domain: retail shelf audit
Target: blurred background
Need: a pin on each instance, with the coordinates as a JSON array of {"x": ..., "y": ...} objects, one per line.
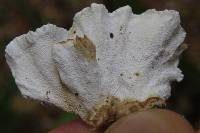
[{"x": 19, "y": 115}]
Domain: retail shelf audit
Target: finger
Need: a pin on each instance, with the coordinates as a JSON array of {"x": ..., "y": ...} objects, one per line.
[
  {"x": 198, "y": 131},
  {"x": 152, "y": 121},
  {"x": 75, "y": 126}
]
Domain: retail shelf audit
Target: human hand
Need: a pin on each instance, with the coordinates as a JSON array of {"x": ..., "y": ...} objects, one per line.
[{"x": 151, "y": 121}]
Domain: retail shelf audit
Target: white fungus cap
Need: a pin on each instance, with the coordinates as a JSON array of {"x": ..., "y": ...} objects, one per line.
[{"x": 103, "y": 55}]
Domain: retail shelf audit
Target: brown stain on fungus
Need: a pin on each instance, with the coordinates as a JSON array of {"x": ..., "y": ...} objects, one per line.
[
  {"x": 64, "y": 42},
  {"x": 112, "y": 108},
  {"x": 86, "y": 47},
  {"x": 137, "y": 74}
]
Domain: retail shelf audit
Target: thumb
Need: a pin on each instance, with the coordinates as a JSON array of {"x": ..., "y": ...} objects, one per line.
[{"x": 152, "y": 121}]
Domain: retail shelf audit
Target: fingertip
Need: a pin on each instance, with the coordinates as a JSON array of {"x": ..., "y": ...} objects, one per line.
[
  {"x": 75, "y": 126},
  {"x": 152, "y": 121}
]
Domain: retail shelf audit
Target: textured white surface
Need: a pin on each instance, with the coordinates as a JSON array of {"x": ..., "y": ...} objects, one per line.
[
  {"x": 30, "y": 59},
  {"x": 136, "y": 58}
]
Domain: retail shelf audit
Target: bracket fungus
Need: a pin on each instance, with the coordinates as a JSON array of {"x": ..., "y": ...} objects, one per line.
[{"x": 106, "y": 66}]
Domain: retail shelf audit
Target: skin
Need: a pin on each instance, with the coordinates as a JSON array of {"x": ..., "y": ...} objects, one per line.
[{"x": 151, "y": 121}]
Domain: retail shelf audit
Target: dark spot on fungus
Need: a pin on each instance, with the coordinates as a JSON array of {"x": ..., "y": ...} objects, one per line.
[
  {"x": 121, "y": 27},
  {"x": 98, "y": 59},
  {"x": 121, "y": 74},
  {"x": 137, "y": 74},
  {"x": 47, "y": 92},
  {"x": 74, "y": 32},
  {"x": 107, "y": 101},
  {"x": 62, "y": 42},
  {"x": 111, "y": 35},
  {"x": 76, "y": 94}
]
